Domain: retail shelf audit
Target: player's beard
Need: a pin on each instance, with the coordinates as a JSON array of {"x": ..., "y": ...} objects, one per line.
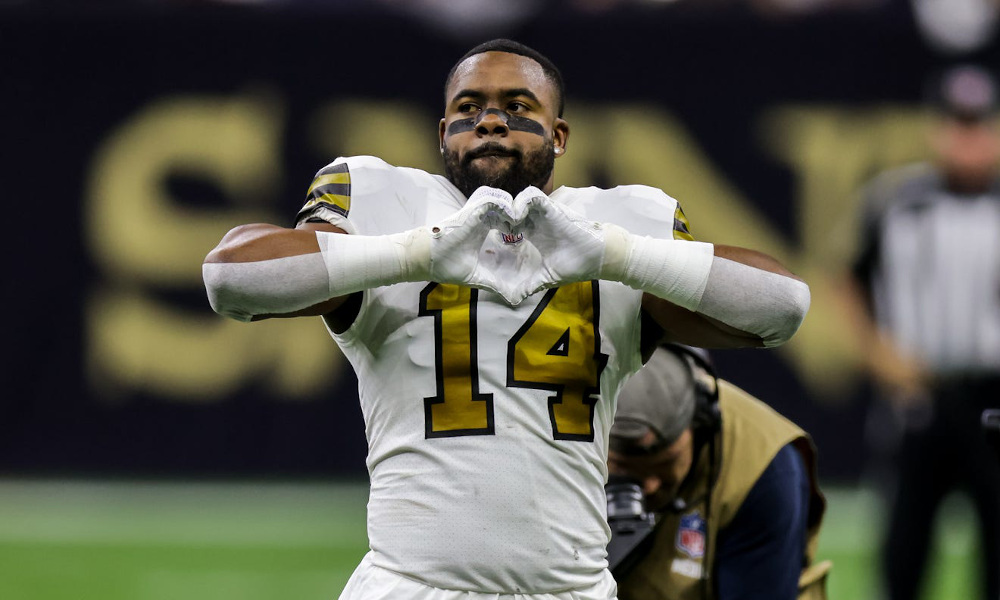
[{"x": 533, "y": 168}]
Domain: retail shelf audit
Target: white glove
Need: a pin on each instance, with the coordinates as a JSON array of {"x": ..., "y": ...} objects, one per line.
[
  {"x": 464, "y": 248},
  {"x": 571, "y": 247}
]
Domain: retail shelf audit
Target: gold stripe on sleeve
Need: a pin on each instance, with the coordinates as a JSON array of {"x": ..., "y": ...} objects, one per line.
[
  {"x": 682, "y": 230},
  {"x": 337, "y": 202},
  {"x": 328, "y": 179}
]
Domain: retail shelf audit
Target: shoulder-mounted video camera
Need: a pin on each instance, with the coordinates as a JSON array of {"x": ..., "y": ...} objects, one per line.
[{"x": 631, "y": 526}]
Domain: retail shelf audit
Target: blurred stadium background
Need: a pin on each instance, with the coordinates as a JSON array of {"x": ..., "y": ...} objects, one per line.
[{"x": 150, "y": 449}]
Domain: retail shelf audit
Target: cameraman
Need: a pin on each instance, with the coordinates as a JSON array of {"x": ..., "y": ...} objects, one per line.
[{"x": 731, "y": 482}]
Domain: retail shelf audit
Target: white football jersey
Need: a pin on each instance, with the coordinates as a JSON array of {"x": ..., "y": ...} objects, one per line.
[{"x": 487, "y": 424}]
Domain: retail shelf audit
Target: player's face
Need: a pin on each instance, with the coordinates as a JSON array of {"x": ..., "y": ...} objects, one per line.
[
  {"x": 501, "y": 127},
  {"x": 660, "y": 474}
]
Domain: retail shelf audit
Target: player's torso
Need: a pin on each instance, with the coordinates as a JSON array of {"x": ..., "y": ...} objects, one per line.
[
  {"x": 487, "y": 424},
  {"x": 487, "y": 430}
]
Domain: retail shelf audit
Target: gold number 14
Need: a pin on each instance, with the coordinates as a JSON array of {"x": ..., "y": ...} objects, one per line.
[{"x": 557, "y": 349}]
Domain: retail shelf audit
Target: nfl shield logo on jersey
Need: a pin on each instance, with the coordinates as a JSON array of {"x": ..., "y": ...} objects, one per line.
[
  {"x": 691, "y": 535},
  {"x": 511, "y": 238}
]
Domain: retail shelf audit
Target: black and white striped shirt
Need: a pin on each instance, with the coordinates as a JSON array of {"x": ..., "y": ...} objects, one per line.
[{"x": 931, "y": 260}]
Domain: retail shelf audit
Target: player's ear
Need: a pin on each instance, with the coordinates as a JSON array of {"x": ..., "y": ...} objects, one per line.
[
  {"x": 441, "y": 129},
  {"x": 560, "y": 136}
]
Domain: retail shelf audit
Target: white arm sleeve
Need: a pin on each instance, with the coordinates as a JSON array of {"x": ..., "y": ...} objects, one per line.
[
  {"x": 753, "y": 300},
  {"x": 345, "y": 264},
  {"x": 760, "y": 302},
  {"x": 281, "y": 285}
]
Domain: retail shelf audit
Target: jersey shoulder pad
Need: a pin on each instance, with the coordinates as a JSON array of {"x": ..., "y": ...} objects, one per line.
[
  {"x": 641, "y": 209},
  {"x": 329, "y": 195},
  {"x": 346, "y": 180},
  {"x": 656, "y": 201}
]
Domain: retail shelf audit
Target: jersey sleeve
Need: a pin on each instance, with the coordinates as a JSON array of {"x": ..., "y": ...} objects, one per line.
[
  {"x": 364, "y": 195},
  {"x": 682, "y": 229},
  {"x": 640, "y": 209},
  {"x": 661, "y": 210},
  {"x": 328, "y": 198}
]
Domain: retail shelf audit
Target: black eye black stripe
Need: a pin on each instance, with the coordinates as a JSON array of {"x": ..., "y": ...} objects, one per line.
[{"x": 513, "y": 122}]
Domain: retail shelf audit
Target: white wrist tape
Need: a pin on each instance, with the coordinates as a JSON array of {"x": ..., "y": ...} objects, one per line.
[
  {"x": 675, "y": 270},
  {"x": 360, "y": 262},
  {"x": 766, "y": 304},
  {"x": 759, "y": 302},
  {"x": 345, "y": 264}
]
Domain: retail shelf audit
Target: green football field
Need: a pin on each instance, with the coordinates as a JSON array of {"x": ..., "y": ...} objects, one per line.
[{"x": 268, "y": 541}]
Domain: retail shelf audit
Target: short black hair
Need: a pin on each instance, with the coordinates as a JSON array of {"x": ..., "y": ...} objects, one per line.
[{"x": 510, "y": 46}]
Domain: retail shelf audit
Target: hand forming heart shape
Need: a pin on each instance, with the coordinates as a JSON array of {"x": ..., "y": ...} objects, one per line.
[{"x": 515, "y": 246}]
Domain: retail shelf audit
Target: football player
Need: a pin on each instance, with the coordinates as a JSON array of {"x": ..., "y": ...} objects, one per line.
[{"x": 491, "y": 319}]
